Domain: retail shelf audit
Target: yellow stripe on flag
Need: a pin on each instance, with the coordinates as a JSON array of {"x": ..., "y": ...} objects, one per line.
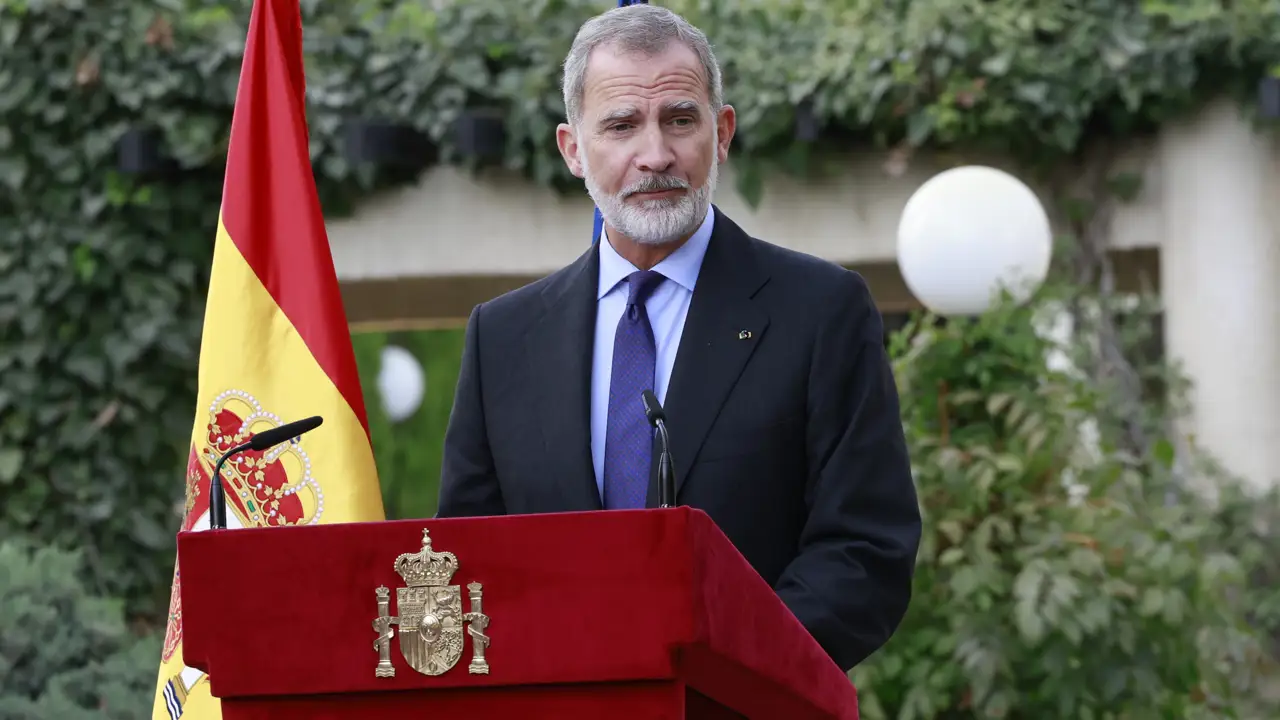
[
  {"x": 253, "y": 360},
  {"x": 249, "y": 344}
]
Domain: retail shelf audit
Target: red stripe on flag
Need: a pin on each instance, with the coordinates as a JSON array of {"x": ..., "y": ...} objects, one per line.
[{"x": 269, "y": 202}]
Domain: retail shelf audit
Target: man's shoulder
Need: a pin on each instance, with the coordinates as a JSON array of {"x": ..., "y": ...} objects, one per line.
[
  {"x": 806, "y": 278},
  {"x": 517, "y": 308}
]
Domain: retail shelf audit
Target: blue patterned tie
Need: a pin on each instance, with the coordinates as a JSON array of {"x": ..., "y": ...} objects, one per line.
[{"x": 628, "y": 441}]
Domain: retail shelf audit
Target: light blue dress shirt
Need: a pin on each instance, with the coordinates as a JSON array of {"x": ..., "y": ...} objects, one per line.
[{"x": 667, "y": 306}]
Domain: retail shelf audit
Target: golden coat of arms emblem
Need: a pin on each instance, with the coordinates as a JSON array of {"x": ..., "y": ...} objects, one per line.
[{"x": 430, "y": 616}]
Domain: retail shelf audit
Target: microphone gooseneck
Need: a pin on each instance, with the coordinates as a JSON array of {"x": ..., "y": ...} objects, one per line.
[
  {"x": 264, "y": 440},
  {"x": 658, "y": 418}
]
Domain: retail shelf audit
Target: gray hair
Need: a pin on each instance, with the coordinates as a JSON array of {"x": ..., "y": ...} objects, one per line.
[{"x": 643, "y": 29}]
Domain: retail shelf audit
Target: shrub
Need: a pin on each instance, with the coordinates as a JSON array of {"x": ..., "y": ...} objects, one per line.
[
  {"x": 65, "y": 652},
  {"x": 1061, "y": 574}
]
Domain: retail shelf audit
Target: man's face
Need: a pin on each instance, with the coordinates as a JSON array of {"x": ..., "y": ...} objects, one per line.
[{"x": 647, "y": 144}]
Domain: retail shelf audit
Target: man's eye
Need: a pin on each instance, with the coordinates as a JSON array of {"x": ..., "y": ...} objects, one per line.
[{"x": 618, "y": 127}]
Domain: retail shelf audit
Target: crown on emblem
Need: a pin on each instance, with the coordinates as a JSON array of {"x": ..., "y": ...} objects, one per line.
[
  {"x": 427, "y": 568},
  {"x": 264, "y": 488}
]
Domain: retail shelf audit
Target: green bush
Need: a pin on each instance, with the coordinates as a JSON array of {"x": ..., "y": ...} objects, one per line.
[
  {"x": 65, "y": 652},
  {"x": 1062, "y": 574},
  {"x": 101, "y": 284}
]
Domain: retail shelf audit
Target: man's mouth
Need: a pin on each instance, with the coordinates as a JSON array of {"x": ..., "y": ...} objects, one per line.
[{"x": 657, "y": 194}]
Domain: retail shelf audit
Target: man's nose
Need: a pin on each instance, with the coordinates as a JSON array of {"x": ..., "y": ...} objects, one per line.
[{"x": 655, "y": 155}]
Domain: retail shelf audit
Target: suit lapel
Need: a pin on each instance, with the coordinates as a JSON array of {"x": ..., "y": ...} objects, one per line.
[
  {"x": 559, "y": 348},
  {"x": 723, "y": 328}
]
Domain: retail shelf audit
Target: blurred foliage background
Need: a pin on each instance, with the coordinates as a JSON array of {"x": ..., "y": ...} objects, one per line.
[
  {"x": 1066, "y": 572},
  {"x": 408, "y": 452},
  {"x": 1143, "y": 601}
]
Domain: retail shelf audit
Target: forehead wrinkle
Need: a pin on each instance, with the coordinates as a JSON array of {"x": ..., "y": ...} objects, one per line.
[
  {"x": 660, "y": 80},
  {"x": 636, "y": 82}
]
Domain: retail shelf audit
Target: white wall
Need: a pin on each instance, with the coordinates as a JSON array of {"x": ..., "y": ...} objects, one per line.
[
  {"x": 452, "y": 224},
  {"x": 1220, "y": 272}
]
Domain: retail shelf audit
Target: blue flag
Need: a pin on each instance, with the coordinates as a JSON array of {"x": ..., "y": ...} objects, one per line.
[{"x": 597, "y": 222}]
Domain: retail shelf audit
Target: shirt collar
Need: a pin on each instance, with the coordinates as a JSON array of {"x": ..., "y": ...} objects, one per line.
[{"x": 681, "y": 266}]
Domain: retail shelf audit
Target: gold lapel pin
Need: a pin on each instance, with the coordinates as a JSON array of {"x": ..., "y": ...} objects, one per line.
[{"x": 744, "y": 335}]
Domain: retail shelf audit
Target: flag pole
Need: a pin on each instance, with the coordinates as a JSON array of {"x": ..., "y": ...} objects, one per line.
[{"x": 597, "y": 222}]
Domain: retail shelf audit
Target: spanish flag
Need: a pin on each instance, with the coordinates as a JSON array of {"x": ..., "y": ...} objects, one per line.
[{"x": 276, "y": 346}]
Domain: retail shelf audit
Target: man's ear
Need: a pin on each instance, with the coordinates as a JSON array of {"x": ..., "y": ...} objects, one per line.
[
  {"x": 567, "y": 141},
  {"x": 726, "y": 124}
]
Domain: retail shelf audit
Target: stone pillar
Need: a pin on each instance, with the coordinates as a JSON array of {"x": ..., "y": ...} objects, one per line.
[{"x": 1220, "y": 282}]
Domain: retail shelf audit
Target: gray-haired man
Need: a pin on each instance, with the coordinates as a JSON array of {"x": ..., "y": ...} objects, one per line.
[{"x": 782, "y": 409}]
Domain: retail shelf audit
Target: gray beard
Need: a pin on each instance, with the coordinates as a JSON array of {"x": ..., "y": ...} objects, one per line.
[{"x": 653, "y": 222}]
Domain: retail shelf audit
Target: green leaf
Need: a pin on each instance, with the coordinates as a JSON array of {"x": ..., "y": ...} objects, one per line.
[
  {"x": 1036, "y": 93},
  {"x": 1164, "y": 452},
  {"x": 1030, "y": 624},
  {"x": 9, "y": 33},
  {"x": 149, "y": 533},
  {"x": 952, "y": 530},
  {"x": 1152, "y": 602},
  {"x": 10, "y": 464},
  {"x": 13, "y": 172},
  {"x": 997, "y": 402},
  {"x": 1011, "y": 464},
  {"x": 965, "y": 581},
  {"x": 750, "y": 183},
  {"x": 920, "y": 126},
  {"x": 997, "y": 65},
  {"x": 1026, "y": 592}
]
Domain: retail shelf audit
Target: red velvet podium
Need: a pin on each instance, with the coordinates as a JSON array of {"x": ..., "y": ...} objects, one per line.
[{"x": 618, "y": 615}]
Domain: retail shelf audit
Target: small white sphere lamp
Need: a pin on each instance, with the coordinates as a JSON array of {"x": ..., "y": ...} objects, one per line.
[
  {"x": 402, "y": 383},
  {"x": 969, "y": 232}
]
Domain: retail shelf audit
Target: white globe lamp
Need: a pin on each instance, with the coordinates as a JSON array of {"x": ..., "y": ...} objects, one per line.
[
  {"x": 968, "y": 233},
  {"x": 402, "y": 383}
]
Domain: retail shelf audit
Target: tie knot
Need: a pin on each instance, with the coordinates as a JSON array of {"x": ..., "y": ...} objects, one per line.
[{"x": 641, "y": 284}]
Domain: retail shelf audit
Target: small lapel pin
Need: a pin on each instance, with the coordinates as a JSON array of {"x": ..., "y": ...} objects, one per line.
[{"x": 744, "y": 334}]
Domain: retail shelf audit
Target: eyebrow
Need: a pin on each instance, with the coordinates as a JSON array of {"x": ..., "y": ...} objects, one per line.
[
  {"x": 681, "y": 106},
  {"x": 621, "y": 113},
  {"x": 625, "y": 113}
]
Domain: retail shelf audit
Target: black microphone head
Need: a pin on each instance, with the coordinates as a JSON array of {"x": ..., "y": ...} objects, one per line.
[
  {"x": 270, "y": 438},
  {"x": 652, "y": 409}
]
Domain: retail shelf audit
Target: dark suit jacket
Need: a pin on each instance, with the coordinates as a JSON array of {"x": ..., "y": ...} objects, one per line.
[{"x": 791, "y": 440}]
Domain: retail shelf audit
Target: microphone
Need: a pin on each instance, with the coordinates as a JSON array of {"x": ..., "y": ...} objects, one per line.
[
  {"x": 264, "y": 440},
  {"x": 657, "y": 418}
]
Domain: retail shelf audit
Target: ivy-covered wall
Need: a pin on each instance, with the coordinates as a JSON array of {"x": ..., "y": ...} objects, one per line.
[{"x": 102, "y": 272}]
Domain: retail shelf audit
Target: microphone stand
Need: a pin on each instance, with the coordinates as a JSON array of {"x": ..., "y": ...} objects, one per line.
[
  {"x": 666, "y": 483},
  {"x": 217, "y": 501}
]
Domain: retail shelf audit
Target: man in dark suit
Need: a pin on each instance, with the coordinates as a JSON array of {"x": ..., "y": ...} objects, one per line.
[{"x": 781, "y": 405}]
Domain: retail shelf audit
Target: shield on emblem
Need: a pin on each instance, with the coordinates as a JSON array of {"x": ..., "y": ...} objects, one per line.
[
  {"x": 430, "y": 627},
  {"x": 430, "y": 616}
]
